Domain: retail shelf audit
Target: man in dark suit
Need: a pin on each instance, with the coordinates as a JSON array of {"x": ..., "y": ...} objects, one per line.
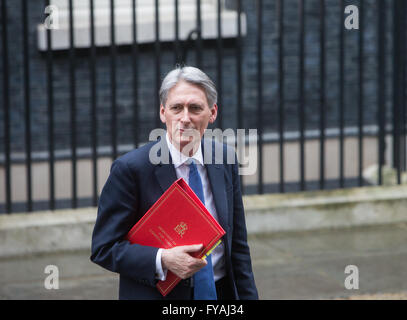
[{"x": 136, "y": 181}]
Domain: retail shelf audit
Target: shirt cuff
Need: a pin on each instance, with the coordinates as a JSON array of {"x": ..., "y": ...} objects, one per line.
[{"x": 160, "y": 274}]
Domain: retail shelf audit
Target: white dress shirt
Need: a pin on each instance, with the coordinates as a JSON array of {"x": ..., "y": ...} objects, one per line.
[{"x": 182, "y": 170}]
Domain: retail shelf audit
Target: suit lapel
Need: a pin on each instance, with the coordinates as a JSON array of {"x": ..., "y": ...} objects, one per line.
[
  {"x": 217, "y": 183},
  {"x": 165, "y": 173}
]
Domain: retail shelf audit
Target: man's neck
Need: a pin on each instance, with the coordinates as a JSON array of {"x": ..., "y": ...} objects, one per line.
[{"x": 189, "y": 151}]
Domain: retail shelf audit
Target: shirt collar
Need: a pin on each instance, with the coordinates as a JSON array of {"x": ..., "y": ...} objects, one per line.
[{"x": 178, "y": 158}]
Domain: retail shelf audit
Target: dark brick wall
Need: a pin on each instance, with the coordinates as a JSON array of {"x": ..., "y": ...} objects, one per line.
[{"x": 146, "y": 78}]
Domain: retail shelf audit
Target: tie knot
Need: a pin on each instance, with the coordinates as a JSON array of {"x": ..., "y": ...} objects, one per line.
[{"x": 192, "y": 165}]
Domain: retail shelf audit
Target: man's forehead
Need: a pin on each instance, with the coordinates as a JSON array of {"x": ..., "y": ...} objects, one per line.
[
  {"x": 187, "y": 87},
  {"x": 185, "y": 100},
  {"x": 185, "y": 92}
]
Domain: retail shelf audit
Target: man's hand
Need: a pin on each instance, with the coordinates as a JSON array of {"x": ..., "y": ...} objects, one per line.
[{"x": 180, "y": 262}]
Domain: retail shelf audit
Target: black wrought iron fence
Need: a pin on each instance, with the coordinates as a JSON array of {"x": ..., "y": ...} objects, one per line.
[{"x": 294, "y": 70}]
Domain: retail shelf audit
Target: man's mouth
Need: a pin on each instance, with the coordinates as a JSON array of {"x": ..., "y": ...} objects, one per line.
[{"x": 187, "y": 130}]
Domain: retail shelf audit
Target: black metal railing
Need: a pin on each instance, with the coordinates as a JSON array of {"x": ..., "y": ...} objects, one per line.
[{"x": 264, "y": 45}]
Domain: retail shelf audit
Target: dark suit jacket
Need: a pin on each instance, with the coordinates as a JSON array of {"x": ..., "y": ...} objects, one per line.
[{"x": 134, "y": 184}]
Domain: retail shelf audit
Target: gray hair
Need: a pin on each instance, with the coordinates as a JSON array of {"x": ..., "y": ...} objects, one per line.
[{"x": 192, "y": 75}]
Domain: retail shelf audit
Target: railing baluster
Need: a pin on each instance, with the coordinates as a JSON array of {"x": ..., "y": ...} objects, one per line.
[
  {"x": 27, "y": 99},
  {"x": 72, "y": 103},
  {"x": 157, "y": 62},
  {"x": 404, "y": 86},
  {"x": 135, "y": 76},
  {"x": 381, "y": 83},
  {"x": 219, "y": 67},
  {"x": 177, "y": 49},
  {"x": 219, "y": 55},
  {"x": 281, "y": 125},
  {"x": 113, "y": 120},
  {"x": 199, "y": 44},
  {"x": 50, "y": 112},
  {"x": 361, "y": 92},
  {"x": 93, "y": 99},
  {"x": 341, "y": 110},
  {"x": 239, "y": 75},
  {"x": 322, "y": 96},
  {"x": 260, "y": 186},
  {"x": 6, "y": 106},
  {"x": 301, "y": 95},
  {"x": 398, "y": 89}
]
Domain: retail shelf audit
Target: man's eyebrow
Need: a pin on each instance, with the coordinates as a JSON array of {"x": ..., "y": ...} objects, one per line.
[
  {"x": 175, "y": 104},
  {"x": 196, "y": 103},
  {"x": 192, "y": 103}
]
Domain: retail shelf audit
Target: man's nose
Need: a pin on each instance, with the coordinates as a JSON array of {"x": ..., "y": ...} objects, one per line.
[{"x": 185, "y": 116}]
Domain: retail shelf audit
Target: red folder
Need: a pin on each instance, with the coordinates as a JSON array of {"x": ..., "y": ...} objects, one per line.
[{"x": 177, "y": 218}]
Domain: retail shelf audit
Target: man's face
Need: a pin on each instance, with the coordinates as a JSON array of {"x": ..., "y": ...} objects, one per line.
[{"x": 186, "y": 114}]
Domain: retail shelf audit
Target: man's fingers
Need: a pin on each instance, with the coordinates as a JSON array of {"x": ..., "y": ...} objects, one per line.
[
  {"x": 193, "y": 247},
  {"x": 179, "y": 259}
]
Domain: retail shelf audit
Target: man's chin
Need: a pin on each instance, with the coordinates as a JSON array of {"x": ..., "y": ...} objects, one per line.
[{"x": 186, "y": 143}]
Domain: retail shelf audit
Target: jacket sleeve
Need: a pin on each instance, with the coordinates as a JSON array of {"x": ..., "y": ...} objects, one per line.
[
  {"x": 117, "y": 214},
  {"x": 240, "y": 253}
]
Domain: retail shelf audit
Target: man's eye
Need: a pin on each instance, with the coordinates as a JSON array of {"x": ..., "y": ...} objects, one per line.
[
  {"x": 176, "y": 107},
  {"x": 195, "y": 107}
]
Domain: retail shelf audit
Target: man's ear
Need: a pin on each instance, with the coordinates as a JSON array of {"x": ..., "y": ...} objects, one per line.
[
  {"x": 162, "y": 114},
  {"x": 214, "y": 113}
]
